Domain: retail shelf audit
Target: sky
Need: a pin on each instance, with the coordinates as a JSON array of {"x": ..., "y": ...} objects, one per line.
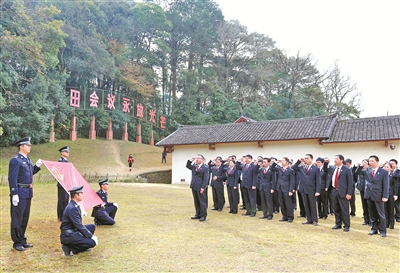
[{"x": 363, "y": 36}]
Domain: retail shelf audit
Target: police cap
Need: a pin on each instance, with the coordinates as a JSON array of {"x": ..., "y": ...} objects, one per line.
[
  {"x": 23, "y": 141},
  {"x": 76, "y": 189},
  {"x": 103, "y": 181},
  {"x": 64, "y": 149}
]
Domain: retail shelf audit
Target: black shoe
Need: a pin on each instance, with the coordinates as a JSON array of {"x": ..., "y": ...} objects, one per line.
[
  {"x": 346, "y": 229},
  {"x": 353, "y": 215},
  {"x": 332, "y": 213},
  {"x": 306, "y": 223},
  {"x": 290, "y": 220},
  {"x": 315, "y": 224},
  {"x": 195, "y": 217},
  {"x": 234, "y": 212},
  {"x": 246, "y": 214},
  {"x": 252, "y": 215},
  {"x": 283, "y": 220},
  {"x": 27, "y": 245},
  {"x": 67, "y": 251},
  {"x": 202, "y": 219},
  {"x": 276, "y": 212},
  {"x": 383, "y": 234},
  {"x": 19, "y": 248},
  {"x": 365, "y": 223},
  {"x": 398, "y": 220},
  {"x": 214, "y": 209},
  {"x": 372, "y": 232},
  {"x": 391, "y": 227},
  {"x": 263, "y": 217},
  {"x": 269, "y": 217},
  {"x": 336, "y": 227},
  {"x": 219, "y": 210},
  {"x": 230, "y": 211},
  {"x": 324, "y": 217}
]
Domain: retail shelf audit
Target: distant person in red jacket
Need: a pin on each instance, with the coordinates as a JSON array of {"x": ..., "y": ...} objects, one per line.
[{"x": 130, "y": 161}]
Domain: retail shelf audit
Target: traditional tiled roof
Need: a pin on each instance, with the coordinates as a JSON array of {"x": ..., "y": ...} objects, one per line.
[
  {"x": 366, "y": 129},
  {"x": 284, "y": 129}
]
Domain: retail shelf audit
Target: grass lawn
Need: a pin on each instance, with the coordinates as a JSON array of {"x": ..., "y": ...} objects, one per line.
[{"x": 154, "y": 232}]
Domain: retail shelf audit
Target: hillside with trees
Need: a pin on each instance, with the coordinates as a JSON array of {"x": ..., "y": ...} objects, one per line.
[{"x": 180, "y": 57}]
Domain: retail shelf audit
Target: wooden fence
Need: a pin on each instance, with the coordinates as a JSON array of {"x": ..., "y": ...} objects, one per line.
[{"x": 90, "y": 178}]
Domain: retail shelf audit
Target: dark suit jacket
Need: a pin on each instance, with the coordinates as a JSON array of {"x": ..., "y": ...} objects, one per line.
[
  {"x": 249, "y": 176},
  {"x": 310, "y": 182},
  {"x": 346, "y": 181},
  {"x": 199, "y": 177},
  {"x": 378, "y": 187},
  {"x": 285, "y": 180},
  {"x": 360, "y": 179},
  {"x": 267, "y": 179},
  {"x": 232, "y": 177},
  {"x": 72, "y": 220},
  {"x": 324, "y": 177},
  {"x": 220, "y": 174},
  {"x": 393, "y": 184}
]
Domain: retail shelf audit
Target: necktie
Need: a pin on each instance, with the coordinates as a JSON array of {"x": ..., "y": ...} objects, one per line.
[
  {"x": 307, "y": 169},
  {"x": 337, "y": 178},
  {"x": 197, "y": 169},
  {"x": 373, "y": 174},
  {"x": 247, "y": 167},
  {"x": 283, "y": 170},
  {"x": 265, "y": 171}
]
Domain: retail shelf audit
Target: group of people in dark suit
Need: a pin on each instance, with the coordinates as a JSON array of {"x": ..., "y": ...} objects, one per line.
[{"x": 324, "y": 189}]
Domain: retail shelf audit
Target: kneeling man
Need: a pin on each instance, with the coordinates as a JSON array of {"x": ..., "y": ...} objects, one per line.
[
  {"x": 104, "y": 214},
  {"x": 76, "y": 237}
]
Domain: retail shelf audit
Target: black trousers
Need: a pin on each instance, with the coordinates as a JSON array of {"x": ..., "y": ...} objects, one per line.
[
  {"x": 62, "y": 201},
  {"x": 377, "y": 215},
  {"x": 353, "y": 202},
  {"x": 341, "y": 208},
  {"x": 105, "y": 216},
  {"x": 267, "y": 203},
  {"x": 218, "y": 198},
  {"x": 301, "y": 204},
  {"x": 250, "y": 200},
  {"x": 200, "y": 203},
  {"x": 286, "y": 203},
  {"x": 389, "y": 211},
  {"x": 276, "y": 200},
  {"x": 310, "y": 205},
  {"x": 233, "y": 198},
  {"x": 19, "y": 220},
  {"x": 364, "y": 203},
  {"x": 76, "y": 241},
  {"x": 323, "y": 203}
]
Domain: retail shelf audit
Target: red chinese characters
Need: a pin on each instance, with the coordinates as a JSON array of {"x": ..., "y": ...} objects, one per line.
[
  {"x": 94, "y": 99},
  {"x": 126, "y": 103},
  {"x": 139, "y": 110},
  {"x": 111, "y": 100},
  {"x": 75, "y": 97},
  {"x": 163, "y": 122},
  {"x": 152, "y": 115}
]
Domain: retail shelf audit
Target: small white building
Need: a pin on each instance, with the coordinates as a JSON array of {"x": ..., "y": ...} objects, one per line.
[{"x": 323, "y": 136}]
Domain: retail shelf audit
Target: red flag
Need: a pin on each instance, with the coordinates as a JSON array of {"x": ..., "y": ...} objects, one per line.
[{"x": 69, "y": 177}]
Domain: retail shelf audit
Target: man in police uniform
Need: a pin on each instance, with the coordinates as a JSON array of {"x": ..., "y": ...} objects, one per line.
[
  {"x": 63, "y": 196},
  {"x": 20, "y": 175},
  {"x": 76, "y": 237},
  {"x": 104, "y": 214}
]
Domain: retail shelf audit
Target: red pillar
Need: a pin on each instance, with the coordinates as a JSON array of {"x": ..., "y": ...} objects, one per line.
[
  {"x": 52, "y": 134},
  {"x": 72, "y": 134},
  {"x": 92, "y": 130},
  {"x": 109, "y": 133},
  {"x": 125, "y": 134},
  {"x": 152, "y": 138},
  {"x": 139, "y": 133}
]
